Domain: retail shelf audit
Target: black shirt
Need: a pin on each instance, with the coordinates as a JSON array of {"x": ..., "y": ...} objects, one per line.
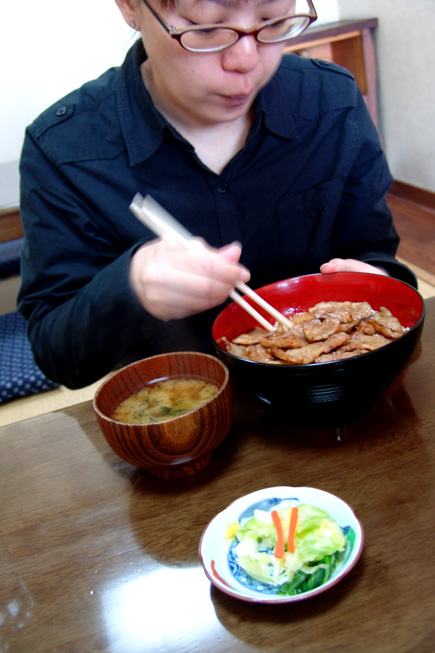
[{"x": 308, "y": 185}]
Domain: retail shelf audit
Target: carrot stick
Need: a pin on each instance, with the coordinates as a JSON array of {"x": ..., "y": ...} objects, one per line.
[
  {"x": 279, "y": 548},
  {"x": 291, "y": 530}
]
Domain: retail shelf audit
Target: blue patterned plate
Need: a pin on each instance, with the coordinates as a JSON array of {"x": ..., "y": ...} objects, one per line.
[{"x": 220, "y": 563}]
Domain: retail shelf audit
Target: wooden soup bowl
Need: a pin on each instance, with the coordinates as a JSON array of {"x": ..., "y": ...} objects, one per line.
[{"x": 175, "y": 447}]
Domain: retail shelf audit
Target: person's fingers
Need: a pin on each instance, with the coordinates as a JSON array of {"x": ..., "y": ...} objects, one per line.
[
  {"x": 172, "y": 282},
  {"x": 350, "y": 265}
]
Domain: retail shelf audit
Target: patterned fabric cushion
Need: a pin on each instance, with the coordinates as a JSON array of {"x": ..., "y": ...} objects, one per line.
[{"x": 19, "y": 374}]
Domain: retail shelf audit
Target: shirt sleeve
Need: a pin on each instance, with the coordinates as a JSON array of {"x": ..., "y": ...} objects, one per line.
[
  {"x": 83, "y": 317},
  {"x": 364, "y": 228}
]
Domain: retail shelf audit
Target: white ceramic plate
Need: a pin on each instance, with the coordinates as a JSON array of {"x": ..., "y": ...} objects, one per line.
[{"x": 214, "y": 548}]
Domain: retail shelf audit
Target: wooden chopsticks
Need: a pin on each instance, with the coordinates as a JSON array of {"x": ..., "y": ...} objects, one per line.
[{"x": 163, "y": 224}]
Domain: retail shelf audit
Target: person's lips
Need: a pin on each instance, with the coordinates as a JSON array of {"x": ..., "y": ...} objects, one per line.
[{"x": 236, "y": 100}]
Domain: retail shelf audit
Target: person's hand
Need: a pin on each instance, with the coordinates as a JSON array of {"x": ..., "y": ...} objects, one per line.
[
  {"x": 350, "y": 265},
  {"x": 172, "y": 281}
]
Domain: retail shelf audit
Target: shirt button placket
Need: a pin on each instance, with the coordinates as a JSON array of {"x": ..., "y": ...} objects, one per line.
[
  {"x": 226, "y": 212},
  {"x": 222, "y": 186}
]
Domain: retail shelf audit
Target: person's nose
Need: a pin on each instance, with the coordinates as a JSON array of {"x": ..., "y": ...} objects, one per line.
[{"x": 241, "y": 57}]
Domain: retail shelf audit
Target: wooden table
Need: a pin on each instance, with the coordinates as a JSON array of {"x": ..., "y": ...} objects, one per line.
[{"x": 96, "y": 555}]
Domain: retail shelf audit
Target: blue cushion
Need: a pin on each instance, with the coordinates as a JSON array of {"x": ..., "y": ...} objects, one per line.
[
  {"x": 19, "y": 374},
  {"x": 10, "y": 254}
]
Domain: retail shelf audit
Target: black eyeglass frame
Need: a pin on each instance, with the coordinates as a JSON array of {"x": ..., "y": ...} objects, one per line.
[{"x": 178, "y": 34}]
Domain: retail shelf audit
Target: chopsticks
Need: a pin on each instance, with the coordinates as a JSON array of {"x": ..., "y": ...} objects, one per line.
[{"x": 163, "y": 224}]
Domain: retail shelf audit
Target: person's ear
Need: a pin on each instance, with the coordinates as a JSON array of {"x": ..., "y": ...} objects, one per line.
[{"x": 128, "y": 9}]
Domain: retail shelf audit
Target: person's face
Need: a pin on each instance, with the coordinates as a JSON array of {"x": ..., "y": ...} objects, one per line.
[{"x": 208, "y": 88}]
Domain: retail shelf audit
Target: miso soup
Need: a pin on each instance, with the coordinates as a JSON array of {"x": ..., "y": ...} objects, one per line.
[{"x": 165, "y": 400}]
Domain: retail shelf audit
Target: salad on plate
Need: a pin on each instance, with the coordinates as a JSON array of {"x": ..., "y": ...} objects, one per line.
[
  {"x": 281, "y": 544},
  {"x": 291, "y": 548}
]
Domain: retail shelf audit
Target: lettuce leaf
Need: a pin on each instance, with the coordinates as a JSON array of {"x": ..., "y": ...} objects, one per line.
[{"x": 318, "y": 540}]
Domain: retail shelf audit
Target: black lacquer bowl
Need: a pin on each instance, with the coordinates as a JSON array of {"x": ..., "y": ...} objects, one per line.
[{"x": 329, "y": 393}]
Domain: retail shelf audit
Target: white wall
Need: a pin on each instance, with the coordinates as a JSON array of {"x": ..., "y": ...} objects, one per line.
[
  {"x": 47, "y": 48},
  {"x": 327, "y": 11},
  {"x": 405, "y": 45}
]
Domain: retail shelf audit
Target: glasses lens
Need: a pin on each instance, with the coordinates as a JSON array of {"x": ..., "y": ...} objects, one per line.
[
  {"x": 208, "y": 39},
  {"x": 283, "y": 29}
]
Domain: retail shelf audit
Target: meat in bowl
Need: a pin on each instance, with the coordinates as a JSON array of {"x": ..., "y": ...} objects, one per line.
[{"x": 328, "y": 331}]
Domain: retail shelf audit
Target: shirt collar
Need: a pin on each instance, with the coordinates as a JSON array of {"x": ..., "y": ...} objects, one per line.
[
  {"x": 276, "y": 112},
  {"x": 143, "y": 126}
]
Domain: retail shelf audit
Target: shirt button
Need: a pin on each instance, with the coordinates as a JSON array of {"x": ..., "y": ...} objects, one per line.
[
  {"x": 61, "y": 111},
  {"x": 222, "y": 186}
]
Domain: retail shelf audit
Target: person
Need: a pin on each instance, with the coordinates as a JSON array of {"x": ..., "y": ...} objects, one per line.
[{"x": 273, "y": 160}]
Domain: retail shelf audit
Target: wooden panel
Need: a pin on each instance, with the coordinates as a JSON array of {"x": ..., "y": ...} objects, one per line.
[
  {"x": 293, "y": 45},
  {"x": 349, "y": 54},
  {"x": 332, "y": 31},
  {"x": 413, "y": 194},
  {"x": 11, "y": 226},
  {"x": 371, "y": 75},
  {"x": 318, "y": 51}
]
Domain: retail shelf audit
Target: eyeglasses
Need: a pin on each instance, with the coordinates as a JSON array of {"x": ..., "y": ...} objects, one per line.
[{"x": 210, "y": 38}]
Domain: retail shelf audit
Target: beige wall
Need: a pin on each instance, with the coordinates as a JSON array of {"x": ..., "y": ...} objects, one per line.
[
  {"x": 48, "y": 48},
  {"x": 405, "y": 44}
]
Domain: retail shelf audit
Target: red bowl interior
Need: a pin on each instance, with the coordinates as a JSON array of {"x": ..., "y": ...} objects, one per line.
[{"x": 300, "y": 293}]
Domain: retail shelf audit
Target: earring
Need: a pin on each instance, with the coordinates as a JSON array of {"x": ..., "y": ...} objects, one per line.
[{"x": 132, "y": 24}]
